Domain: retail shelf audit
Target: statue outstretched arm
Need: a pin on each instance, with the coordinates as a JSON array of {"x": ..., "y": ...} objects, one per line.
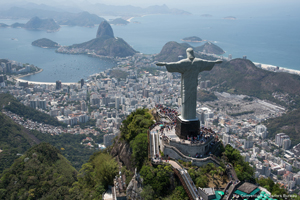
[
  {"x": 161, "y": 63},
  {"x": 172, "y": 66},
  {"x": 206, "y": 65},
  {"x": 218, "y": 61},
  {"x": 209, "y": 61}
]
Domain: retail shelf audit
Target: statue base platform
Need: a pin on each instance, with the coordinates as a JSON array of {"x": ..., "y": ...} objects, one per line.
[{"x": 186, "y": 128}]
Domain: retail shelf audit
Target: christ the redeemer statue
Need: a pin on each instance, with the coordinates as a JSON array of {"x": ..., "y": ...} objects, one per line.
[{"x": 189, "y": 69}]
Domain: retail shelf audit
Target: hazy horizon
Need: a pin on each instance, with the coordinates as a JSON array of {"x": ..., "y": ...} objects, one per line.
[{"x": 214, "y": 7}]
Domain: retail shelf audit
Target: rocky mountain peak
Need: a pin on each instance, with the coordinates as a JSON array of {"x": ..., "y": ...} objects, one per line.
[{"x": 105, "y": 30}]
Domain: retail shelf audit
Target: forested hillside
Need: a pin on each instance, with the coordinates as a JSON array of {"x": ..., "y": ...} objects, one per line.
[
  {"x": 8, "y": 102},
  {"x": 14, "y": 140},
  {"x": 41, "y": 173}
]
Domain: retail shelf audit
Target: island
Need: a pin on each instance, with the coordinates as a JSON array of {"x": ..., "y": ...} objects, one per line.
[
  {"x": 45, "y": 43},
  {"x": 206, "y": 15},
  {"x": 192, "y": 39},
  {"x": 118, "y": 21},
  {"x": 230, "y": 18}
]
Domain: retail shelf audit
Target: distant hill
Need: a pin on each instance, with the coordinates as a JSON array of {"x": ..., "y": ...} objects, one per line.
[
  {"x": 106, "y": 44},
  {"x": 69, "y": 15},
  {"x": 172, "y": 50},
  {"x": 119, "y": 21},
  {"x": 45, "y": 43},
  {"x": 17, "y": 25},
  {"x": 209, "y": 47},
  {"x": 128, "y": 10},
  {"x": 36, "y": 23},
  {"x": 246, "y": 78},
  {"x": 81, "y": 19},
  {"x": 41, "y": 173},
  {"x": 192, "y": 39},
  {"x": 241, "y": 76},
  {"x": 61, "y": 17},
  {"x": 2, "y": 25}
]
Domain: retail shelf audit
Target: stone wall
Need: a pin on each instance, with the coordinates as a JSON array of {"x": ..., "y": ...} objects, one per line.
[
  {"x": 174, "y": 153},
  {"x": 192, "y": 149}
]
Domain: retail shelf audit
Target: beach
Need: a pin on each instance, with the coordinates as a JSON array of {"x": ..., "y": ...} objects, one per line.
[
  {"x": 276, "y": 68},
  {"x": 44, "y": 83},
  {"x": 129, "y": 20}
]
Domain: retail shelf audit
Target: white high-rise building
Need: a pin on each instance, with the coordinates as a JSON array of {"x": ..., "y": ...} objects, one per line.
[
  {"x": 83, "y": 105},
  {"x": 108, "y": 139},
  {"x": 261, "y": 130},
  {"x": 226, "y": 139},
  {"x": 179, "y": 102},
  {"x": 280, "y": 137},
  {"x": 117, "y": 103},
  {"x": 286, "y": 144},
  {"x": 249, "y": 142}
]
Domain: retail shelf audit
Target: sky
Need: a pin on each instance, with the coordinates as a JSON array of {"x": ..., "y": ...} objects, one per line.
[{"x": 194, "y": 6}]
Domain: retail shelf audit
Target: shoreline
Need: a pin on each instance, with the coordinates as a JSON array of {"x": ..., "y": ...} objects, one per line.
[
  {"x": 44, "y": 83},
  {"x": 277, "y": 68},
  {"x": 20, "y": 76},
  {"x": 19, "y": 79},
  {"x": 129, "y": 20},
  {"x": 259, "y": 65}
]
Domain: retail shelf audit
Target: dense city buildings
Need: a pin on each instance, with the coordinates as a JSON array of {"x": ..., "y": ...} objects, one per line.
[{"x": 103, "y": 100}]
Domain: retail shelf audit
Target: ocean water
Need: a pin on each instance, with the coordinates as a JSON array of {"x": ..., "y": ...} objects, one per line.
[
  {"x": 265, "y": 39},
  {"x": 56, "y": 66},
  {"x": 268, "y": 40}
]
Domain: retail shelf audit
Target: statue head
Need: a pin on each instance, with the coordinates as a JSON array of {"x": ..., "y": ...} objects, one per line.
[{"x": 190, "y": 53}]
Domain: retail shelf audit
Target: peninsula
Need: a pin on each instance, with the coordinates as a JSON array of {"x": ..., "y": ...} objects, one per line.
[{"x": 105, "y": 44}]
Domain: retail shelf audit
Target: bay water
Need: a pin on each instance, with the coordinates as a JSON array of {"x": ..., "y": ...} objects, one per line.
[{"x": 269, "y": 40}]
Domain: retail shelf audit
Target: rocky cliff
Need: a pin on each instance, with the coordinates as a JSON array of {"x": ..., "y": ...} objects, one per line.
[
  {"x": 104, "y": 30},
  {"x": 121, "y": 151}
]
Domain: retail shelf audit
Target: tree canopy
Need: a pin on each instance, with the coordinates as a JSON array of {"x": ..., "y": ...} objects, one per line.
[
  {"x": 41, "y": 173},
  {"x": 137, "y": 122},
  {"x": 243, "y": 170}
]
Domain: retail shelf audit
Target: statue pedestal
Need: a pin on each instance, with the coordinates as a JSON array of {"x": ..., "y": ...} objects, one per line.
[{"x": 186, "y": 128}]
